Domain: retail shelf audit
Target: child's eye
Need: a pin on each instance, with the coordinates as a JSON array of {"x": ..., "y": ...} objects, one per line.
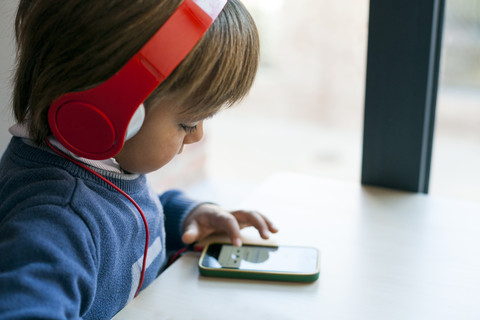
[{"x": 188, "y": 129}]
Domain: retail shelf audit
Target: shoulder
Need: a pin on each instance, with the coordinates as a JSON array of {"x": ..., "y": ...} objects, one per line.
[
  {"x": 34, "y": 185},
  {"x": 33, "y": 176},
  {"x": 35, "y": 188}
]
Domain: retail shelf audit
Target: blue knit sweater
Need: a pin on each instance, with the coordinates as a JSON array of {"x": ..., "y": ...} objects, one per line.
[{"x": 71, "y": 247}]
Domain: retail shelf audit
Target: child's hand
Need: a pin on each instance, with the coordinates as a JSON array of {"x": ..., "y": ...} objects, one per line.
[{"x": 208, "y": 218}]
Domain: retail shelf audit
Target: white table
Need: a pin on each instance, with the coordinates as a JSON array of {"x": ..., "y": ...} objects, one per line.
[{"x": 384, "y": 255}]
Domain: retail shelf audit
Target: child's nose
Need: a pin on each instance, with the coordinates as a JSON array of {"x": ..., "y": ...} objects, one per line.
[{"x": 195, "y": 136}]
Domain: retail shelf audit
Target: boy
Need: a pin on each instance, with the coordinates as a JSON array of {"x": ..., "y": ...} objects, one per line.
[{"x": 80, "y": 236}]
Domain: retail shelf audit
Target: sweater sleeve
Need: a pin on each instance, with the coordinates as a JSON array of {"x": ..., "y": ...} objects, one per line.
[
  {"x": 47, "y": 265},
  {"x": 176, "y": 206}
]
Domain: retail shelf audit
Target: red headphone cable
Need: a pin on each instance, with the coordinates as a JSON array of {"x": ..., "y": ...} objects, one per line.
[{"x": 80, "y": 164}]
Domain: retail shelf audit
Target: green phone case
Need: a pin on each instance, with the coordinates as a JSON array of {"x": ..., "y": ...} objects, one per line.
[{"x": 256, "y": 275}]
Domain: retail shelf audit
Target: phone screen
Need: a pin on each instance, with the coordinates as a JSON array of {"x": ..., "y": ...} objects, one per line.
[{"x": 262, "y": 258}]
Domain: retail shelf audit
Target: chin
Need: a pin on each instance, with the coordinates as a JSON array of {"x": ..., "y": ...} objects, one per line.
[{"x": 142, "y": 168}]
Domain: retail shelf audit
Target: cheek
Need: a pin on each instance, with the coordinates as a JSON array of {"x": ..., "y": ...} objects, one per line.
[
  {"x": 159, "y": 152},
  {"x": 164, "y": 150},
  {"x": 147, "y": 155}
]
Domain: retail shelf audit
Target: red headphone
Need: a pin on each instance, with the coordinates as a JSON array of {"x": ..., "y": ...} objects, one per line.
[{"x": 95, "y": 123}]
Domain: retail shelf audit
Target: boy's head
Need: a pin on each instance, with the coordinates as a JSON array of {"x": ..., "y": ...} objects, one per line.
[{"x": 66, "y": 46}]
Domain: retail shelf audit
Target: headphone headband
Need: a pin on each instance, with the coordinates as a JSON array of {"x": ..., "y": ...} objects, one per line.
[
  {"x": 94, "y": 123},
  {"x": 212, "y": 8}
]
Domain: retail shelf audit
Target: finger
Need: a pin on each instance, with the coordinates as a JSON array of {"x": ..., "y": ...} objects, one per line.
[
  {"x": 242, "y": 214},
  {"x": 271, "y": 226},
  {"x": 256, "y": 220},
  {"x": 230, "y": 225},
  {"x": 191, "y": 233}
]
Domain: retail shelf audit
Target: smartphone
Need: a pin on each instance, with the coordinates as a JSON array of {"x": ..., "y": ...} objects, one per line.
[{"x": 282, "y": 263}]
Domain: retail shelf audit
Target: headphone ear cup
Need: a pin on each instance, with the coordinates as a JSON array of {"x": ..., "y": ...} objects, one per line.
[
  {"x": 77, "y": 124},
  {"x": 136, "y": 122}
]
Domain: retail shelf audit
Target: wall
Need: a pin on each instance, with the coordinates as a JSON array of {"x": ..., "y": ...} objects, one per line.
[{"x": 7, "y": 55}]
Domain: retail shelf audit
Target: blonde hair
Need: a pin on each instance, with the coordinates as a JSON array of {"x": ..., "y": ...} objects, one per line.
[{"x": 65, "y": 46}]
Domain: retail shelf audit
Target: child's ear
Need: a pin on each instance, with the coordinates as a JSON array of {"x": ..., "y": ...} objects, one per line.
[{"x": 94, "y": 123}]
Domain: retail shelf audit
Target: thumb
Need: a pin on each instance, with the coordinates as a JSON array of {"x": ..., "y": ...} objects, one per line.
[{"x": 190, "y": 235}]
